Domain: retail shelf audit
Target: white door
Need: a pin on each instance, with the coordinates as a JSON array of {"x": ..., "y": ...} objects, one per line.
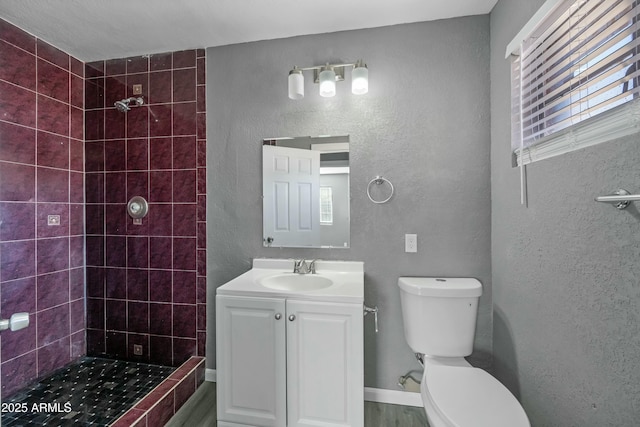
[
  {"x": 291, "y": 191},
  {"x": 250, "y": 360},
  {"x": 325, "y": 368}
]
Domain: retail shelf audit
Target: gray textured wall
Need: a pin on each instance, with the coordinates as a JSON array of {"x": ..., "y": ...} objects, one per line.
[
  {"x": 565, "y": 270},
  {"x": 423, "y": 125}
]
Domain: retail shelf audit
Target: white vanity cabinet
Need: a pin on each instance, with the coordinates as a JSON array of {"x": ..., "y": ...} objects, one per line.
[
  {"x": 250, "y": 361},
  {"x": 287, "y": 362}
]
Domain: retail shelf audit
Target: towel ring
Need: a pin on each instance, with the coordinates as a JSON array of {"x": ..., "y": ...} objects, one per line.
[{"x": 379, "y": 180}]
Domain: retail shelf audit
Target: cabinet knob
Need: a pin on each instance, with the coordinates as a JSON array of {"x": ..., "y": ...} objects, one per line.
[
  {"x": 278, "y": 316},
  {"x": 292, "y": 317}
]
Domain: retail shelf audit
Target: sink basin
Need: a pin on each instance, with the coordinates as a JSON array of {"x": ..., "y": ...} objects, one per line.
[
  {"x": 296, "y": 282},
  {"x": 335, "y": 281}
]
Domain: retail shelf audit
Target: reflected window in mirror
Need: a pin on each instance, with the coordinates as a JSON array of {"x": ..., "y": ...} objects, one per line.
[{"x": 326, "y": 205}]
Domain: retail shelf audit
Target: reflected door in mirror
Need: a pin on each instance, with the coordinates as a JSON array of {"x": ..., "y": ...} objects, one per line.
[{"x": 291, "y": 191}]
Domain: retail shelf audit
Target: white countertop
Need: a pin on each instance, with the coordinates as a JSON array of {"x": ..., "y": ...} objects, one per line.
[{"x": 347, "y": 277}]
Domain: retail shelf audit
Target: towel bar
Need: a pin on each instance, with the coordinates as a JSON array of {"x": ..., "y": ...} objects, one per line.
[{"x": 620, "y": 197}]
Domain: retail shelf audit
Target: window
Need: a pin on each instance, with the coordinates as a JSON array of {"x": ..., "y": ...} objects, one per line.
[
  {"x": 575, "y": 77},
  {"x": 326, "y": 206}
]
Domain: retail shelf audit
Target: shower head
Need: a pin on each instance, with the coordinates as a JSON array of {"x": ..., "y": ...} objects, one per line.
[{"x": 123, "y": 105}]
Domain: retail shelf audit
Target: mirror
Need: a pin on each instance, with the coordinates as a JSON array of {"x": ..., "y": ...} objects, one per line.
[{"x": 305, "y": 192}]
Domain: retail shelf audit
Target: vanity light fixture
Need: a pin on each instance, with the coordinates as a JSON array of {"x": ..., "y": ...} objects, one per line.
[
  {"x": 327, "y": 82},
  {"x": 360, "y": 78},
  {"x": 296, "y": 84},
  {"x": 327, "y": 75}
]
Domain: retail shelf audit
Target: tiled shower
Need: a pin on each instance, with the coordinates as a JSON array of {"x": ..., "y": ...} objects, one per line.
[
  {"x": 145, "y": 283},
  {"x": 67, "y": 154},
  {"x": 41, "y": 174}
]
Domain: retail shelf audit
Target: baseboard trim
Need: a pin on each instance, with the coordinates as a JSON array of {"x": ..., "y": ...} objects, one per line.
[
  {"x": 380, "y": 395},
  {"x": 394, "y": 397}
]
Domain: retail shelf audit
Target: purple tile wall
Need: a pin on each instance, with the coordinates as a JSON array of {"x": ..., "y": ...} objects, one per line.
[
  {"x": 146, "y": 283},
  {"x": 41, "y": 174}
]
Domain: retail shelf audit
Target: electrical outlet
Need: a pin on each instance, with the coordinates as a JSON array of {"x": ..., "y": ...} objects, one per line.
[
  {"x": 411, "y": 243},
  {"x": 137, "y": 350}
]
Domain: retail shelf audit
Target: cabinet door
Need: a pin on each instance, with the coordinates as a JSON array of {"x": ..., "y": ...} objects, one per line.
[
  {"x": 251, "y": 364},
  {"x": 325, "y": 367}
]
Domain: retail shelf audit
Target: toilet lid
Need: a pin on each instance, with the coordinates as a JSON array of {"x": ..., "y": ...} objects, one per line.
[{"x": 471, "y": 397}]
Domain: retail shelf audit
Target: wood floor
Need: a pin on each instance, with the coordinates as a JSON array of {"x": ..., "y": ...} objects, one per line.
[
  {"x": 385, "y": 415},
  {"x": 200, "y": 411}
]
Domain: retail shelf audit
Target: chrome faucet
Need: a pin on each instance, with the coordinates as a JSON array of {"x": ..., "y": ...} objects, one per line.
[{"x": 302, "y": 267}]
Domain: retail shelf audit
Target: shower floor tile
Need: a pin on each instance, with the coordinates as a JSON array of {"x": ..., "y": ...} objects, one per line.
[{"x": 89, "y": 392}]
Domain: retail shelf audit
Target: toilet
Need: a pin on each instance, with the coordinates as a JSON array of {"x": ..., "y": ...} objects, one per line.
[{"x": 439, "y": 317}]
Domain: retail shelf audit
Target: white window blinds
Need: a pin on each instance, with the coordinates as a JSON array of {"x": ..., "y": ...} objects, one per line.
[
  {"x": 326, "y": 205},
  {"x": 575, "y": 78}
]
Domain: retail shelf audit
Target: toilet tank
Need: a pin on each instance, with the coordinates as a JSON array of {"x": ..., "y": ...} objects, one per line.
[{"x": 439, "y": 314}]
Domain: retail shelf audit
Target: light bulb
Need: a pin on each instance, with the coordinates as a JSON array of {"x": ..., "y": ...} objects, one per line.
[
  {"x": 327, "y": 82},
  {"x": 296, "y": 84},
  {"x": 360, "y": 79}
]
